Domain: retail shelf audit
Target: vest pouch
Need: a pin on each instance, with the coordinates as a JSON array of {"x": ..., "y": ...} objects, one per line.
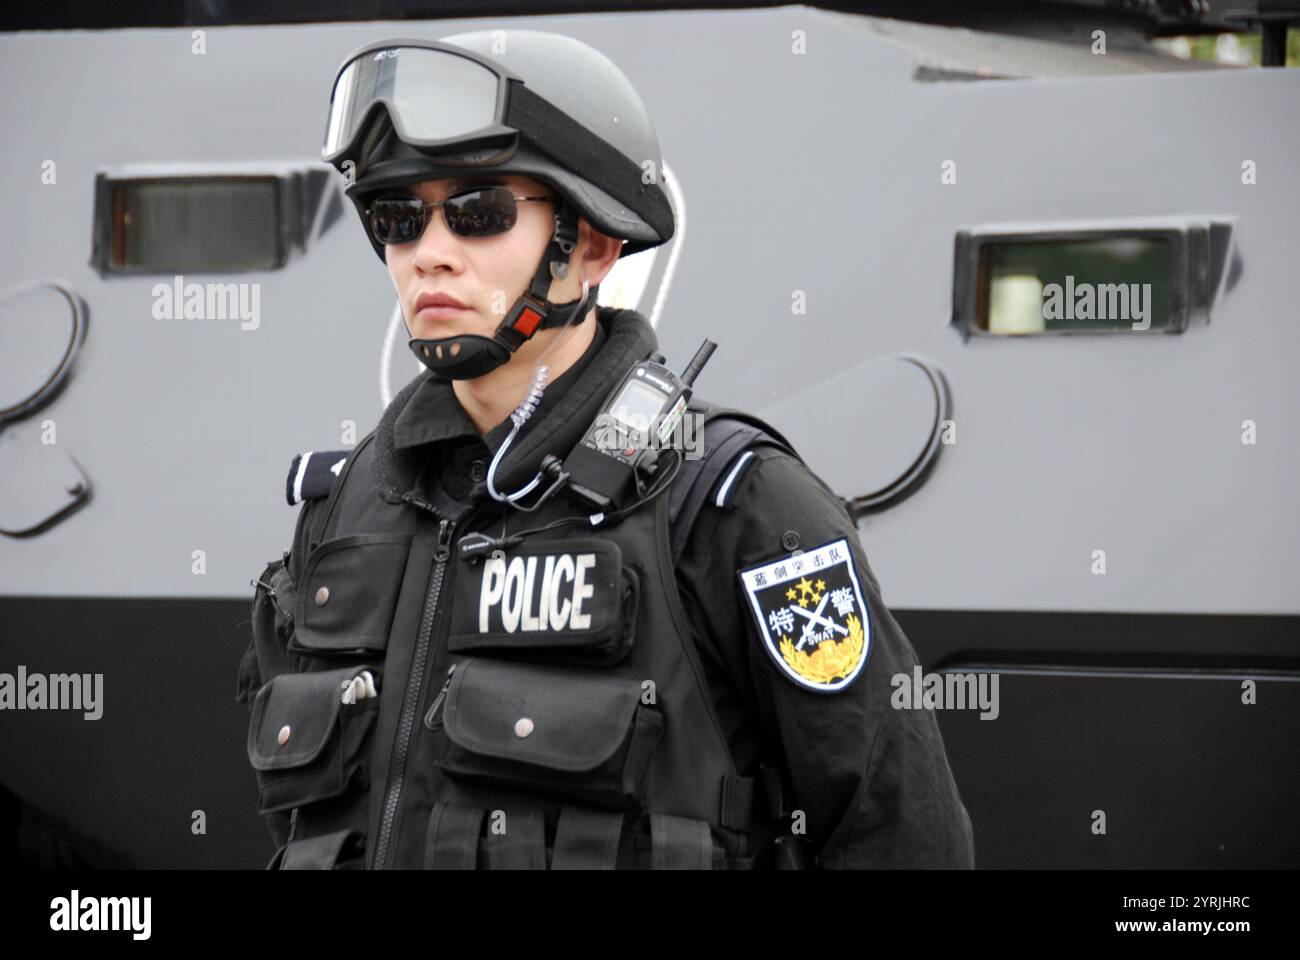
[
  {"x": 575, "y": 733},
  {"x": 341, "y": 850},
  {"x": 348, "y": 595},
  {"x": 304, "y": 742},
  {"x": 565, "y": 602}
]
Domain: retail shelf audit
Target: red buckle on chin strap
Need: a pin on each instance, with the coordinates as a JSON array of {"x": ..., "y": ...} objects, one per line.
[{"x": 527, "y": 321}]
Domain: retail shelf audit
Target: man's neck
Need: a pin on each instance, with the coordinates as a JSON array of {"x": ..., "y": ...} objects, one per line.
[{"x": 491, "y": 398}]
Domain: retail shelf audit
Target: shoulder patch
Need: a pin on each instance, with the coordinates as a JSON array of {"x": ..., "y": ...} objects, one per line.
[
  {"x": 312, "y": 474},
  {"x": 811, "y": 615}
]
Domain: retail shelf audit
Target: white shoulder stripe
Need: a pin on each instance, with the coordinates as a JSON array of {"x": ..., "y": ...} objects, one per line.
[
  {"x": 731, "y": 477},
  {"x": 297, "y": 481}
]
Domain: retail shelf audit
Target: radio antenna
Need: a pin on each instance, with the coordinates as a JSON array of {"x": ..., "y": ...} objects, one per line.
[{"x": 698, "y": 361}]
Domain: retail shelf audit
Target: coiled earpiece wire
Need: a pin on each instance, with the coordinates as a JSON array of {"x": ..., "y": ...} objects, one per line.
[{"x": 526, "y": 408}]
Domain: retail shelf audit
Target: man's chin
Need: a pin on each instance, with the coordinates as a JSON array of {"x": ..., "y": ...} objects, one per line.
[{"x": 436, "y": 328}]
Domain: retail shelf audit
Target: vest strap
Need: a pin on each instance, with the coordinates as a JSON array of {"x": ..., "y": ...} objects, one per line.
[
  {"x": 522, "y": 846},
  {"x": 792, "y": 853},
  {"x": 726, "y": 433},
  {"x": 736, "y": 809},
  {"x": 749, "y": 802},
  {"x": 587, "y": 839},
  {"x": 451, "y": 840},
  {"x": 679, "y": 843},
  {"x": 314, "y": 853},
  {"x": 773, "y": 790}
]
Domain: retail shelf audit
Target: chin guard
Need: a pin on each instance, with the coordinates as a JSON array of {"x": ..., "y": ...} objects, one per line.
[
  {"x": 460, "y": 358},
  {"x": 467, "y": 356}
]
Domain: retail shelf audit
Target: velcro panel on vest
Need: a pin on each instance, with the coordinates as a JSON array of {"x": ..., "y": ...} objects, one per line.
[
  {"x": 316, "y": 853},
  {"x": 540, "y": 594},
  {"x": 451, "y": 840},
  {"x": 679, "y": 843},
  {"x": 521, "y": 846},
  {"x": 587, "y": 839}
]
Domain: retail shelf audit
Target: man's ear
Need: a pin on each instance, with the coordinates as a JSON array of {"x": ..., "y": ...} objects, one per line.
[{"x": 599, "y": 251}]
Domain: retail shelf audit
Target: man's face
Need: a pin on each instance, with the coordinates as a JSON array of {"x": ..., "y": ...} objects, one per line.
[{"x": 485, "y": 274}]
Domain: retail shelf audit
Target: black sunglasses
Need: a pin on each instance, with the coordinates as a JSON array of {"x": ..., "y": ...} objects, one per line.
[{"x": 476, "y": 212}]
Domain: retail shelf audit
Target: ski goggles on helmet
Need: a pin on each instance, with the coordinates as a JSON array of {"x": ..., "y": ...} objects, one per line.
[
  {"x": 467, "y": 110},
  {"x": 474, "y": 212},
  {"x": 437, "y": 96}
]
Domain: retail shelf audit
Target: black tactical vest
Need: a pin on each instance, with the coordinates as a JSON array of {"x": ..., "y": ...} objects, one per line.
[{"x": 540, "y": 707}]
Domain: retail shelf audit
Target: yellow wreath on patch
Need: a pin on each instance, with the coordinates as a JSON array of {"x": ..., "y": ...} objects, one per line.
[{"x": 831, "y": 660}]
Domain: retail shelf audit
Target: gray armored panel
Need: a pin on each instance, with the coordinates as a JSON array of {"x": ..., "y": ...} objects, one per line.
[{"x": 809, "y": 159}]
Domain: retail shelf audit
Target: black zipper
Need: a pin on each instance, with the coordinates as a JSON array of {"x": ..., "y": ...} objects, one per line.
[
  {"x": 414, "y": 681},
  {"x": 431, "y": 717}
]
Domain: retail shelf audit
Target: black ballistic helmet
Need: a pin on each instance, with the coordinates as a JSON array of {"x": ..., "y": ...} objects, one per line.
[{"x": 541, "y": 105}]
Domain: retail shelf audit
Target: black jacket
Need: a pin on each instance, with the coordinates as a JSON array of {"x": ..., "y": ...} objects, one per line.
[{"x": 860, "y": 783}]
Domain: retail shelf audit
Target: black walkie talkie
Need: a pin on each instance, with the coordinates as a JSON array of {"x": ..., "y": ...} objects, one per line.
[{"x": 637, "y": 418}]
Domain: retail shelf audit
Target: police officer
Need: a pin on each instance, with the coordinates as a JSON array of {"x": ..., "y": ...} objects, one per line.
[{"x": 471, "y": 657}]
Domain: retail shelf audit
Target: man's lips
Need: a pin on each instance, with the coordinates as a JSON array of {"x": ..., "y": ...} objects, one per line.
[{"x": 438, "y": 305}]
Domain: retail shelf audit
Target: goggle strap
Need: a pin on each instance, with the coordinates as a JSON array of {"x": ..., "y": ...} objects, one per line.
[
  {"x": 376, "y": 132},
  {"x": 587, "y": 155}
]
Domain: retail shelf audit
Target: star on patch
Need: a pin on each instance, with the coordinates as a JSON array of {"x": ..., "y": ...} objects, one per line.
[{"x": 818, "y": 632}]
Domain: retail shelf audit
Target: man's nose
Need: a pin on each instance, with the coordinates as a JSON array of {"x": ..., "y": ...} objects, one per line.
[{"x": 437, "y": 244}]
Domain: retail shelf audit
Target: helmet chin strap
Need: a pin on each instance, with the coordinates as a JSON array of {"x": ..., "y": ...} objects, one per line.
[{"x": 470, "y": 355}]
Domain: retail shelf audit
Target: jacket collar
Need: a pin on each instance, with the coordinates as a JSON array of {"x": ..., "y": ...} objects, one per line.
[{"x": 427, "y": 411}]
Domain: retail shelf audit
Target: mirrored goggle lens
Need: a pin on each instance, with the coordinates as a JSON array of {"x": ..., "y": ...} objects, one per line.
[
  {"x": 472, "y": 213},
  {"x": 433, "y": 95}
]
